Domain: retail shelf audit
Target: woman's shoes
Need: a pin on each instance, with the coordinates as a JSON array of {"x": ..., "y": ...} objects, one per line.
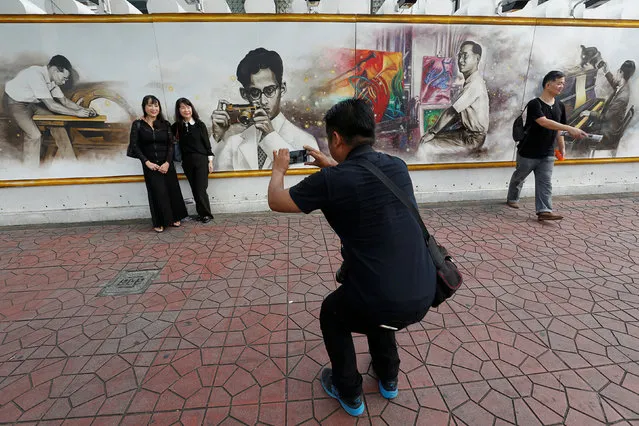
[{"x": 175, "y": 224}]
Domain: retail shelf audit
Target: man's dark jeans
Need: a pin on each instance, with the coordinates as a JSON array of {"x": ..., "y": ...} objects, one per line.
[{"x": 339, "y": 317}]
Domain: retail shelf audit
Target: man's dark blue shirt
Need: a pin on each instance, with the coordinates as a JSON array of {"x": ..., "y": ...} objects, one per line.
[{"x": 389, "y": 268}]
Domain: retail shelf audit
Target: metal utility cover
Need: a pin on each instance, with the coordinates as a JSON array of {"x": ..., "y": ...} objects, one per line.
[{"x": 129, "y": 282}]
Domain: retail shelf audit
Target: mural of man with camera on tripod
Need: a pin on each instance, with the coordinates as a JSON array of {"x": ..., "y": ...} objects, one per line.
[{"x": 265, "y": 127}]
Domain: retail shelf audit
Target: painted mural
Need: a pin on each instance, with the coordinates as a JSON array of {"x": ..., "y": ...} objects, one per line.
[{"x": 440, "y": 93}]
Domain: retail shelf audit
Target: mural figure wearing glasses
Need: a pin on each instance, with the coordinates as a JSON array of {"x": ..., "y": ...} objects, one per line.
[
  {"x": 462, "y": 127},
  {"x": 265, "y": 128},
  {"x": 36, "y": 90}
]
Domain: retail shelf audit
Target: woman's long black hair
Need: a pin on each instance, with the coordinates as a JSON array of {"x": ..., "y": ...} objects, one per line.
[
  {"x": 151, "y": 100},
  {"x": 185, "y": 101}
]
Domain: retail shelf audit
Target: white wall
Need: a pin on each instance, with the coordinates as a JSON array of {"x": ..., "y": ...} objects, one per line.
[
  {"x": 84, "y": 203},
  {"x": 10, "y": 7}
]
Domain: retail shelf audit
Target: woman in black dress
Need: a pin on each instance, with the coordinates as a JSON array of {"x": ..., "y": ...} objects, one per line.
[
  {"x": 152, "y": 143},
  {"x": 197, "y": 157}
]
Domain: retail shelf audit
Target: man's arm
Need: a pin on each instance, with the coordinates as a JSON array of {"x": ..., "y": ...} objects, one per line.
[
  {"x": 553, "y": 125},
  {"x": 279, "y": 198},
  {"x": 561, "y": 145},
  {"x": 447, "y": 116},
  {"x": 69, "y": 104},
  {"x": 58, "y": 108}
]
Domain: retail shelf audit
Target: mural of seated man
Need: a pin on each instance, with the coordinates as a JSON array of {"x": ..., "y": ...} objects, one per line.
[
  {"x": 36, "y": 91},
  {"x": 461, "y": 128},
  {"x": 260, "y": 73},
  {"x": 610, "y": 121}
]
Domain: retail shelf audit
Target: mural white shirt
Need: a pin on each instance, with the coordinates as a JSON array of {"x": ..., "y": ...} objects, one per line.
[
  {"x": 473, "y": 104},
  {"x": 239, "y": 152},
  {"x": 32, "y": 84}
]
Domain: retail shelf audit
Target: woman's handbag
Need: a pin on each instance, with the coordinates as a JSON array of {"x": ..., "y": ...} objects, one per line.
[
  {"x": 130, "y": 152},
  {"x": 177, "y": 152}
]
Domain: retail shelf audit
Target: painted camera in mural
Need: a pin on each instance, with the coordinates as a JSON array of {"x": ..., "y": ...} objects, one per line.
[
  {"x": 441, "y": 93},
  {"x": 242, "y": 114}
]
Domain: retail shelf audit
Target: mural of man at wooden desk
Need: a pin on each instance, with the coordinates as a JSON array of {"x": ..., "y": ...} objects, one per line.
[{"x": 34, "y": 99}]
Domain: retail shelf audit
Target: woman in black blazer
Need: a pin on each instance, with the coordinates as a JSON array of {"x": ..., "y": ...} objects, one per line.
[
  {"x": 197, "y": 157},
  {"x": 152, "y": 143}
]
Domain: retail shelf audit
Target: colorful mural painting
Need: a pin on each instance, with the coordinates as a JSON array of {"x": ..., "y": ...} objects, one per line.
[
  {"x": 437, "y": 80},
  {"x": 375, "y": 76}
]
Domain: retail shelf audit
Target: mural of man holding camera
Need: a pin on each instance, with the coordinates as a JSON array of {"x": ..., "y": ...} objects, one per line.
[{"x": 260, "y": 73}]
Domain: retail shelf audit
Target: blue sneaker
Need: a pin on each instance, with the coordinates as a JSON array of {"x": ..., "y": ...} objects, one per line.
[
  {"x": 388, "y": 389},
  {"x": 353, "y": 406}
]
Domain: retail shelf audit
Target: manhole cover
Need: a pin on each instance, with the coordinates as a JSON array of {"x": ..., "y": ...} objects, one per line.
[{"x": 129, "y": 282}]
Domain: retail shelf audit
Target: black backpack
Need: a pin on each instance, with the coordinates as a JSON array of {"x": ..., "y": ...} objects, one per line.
[{"x": 519, "y": 130}]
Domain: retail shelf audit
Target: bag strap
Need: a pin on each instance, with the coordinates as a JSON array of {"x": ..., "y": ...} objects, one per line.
[
  {"x": 401, "y": 195},
  {"x": 520, "y": 144}
]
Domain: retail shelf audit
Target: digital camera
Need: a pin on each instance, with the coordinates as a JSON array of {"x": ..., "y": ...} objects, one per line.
[{"x": 238, "y": 113}]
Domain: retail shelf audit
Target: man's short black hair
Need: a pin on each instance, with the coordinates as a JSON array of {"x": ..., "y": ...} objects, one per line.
[
  {"x": 627, "y": 69},
  {"x": 477, "y": 50},
  {"x": 256, "y": 60},
  {"x": 61, "y": 63},
  {"x": 552, "y": 76},
  {"x": 354, "y": 120}
]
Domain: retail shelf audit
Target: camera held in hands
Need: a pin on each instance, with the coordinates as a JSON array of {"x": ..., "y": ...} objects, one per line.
[
  {"x": 238, "y": 113},
  {"x": 300, "y": 156}
]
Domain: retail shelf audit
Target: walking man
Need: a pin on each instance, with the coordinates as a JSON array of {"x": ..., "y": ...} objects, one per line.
[{"x": 535, "y": 153}]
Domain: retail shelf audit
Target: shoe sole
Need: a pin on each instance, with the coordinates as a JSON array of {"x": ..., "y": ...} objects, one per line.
[
  {"x": 352, "y": 411},
  {"x": 387, "y": 394}
]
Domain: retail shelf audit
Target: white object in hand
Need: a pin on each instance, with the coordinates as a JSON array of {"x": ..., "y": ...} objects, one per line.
[{"x": 593, "y": 137}]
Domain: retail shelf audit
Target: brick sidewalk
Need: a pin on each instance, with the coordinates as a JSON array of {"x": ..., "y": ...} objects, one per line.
[{"x": 545, "y": 331}]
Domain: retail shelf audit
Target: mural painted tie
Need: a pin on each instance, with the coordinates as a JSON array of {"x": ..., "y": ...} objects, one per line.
[{"x": 261, "y": 157}]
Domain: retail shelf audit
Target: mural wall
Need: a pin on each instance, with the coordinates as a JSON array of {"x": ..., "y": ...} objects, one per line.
[{"x": 441, "y": 93}]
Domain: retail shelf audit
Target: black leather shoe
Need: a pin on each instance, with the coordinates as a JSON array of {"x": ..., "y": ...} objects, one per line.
[{"x": 206, "y": 219}]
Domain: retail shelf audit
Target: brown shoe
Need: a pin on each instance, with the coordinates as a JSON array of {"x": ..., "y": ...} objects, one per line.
[
  {"x": 548, "y": 216},
  {"x": 512, "y": 204}
]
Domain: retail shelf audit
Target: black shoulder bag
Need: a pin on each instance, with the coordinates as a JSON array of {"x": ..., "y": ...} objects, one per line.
[
  {"x": 130, "y": 152},
  {"x": 449, "y": 279}
]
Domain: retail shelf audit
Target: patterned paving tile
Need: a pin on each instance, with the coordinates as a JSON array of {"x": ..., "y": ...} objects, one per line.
[{"x": 544, "y": 331}]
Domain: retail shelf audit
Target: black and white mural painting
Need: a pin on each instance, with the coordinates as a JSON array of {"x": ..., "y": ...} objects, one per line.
[{"x": 440, "y": 93}]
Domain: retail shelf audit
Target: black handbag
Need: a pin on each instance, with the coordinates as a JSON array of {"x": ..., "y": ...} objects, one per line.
[
  {"x": 177, "y": 152},
  {"x": 130, "y": 152},
  {"x": 449, "y": 279}
]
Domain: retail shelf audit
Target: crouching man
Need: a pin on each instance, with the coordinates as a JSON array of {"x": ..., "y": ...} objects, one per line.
[{"x": 389, "y": 278}]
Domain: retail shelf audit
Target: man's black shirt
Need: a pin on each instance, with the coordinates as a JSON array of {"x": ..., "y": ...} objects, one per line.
[
  {"x": 539, "y": 141},
  {"x": 389, "y": 268}
]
